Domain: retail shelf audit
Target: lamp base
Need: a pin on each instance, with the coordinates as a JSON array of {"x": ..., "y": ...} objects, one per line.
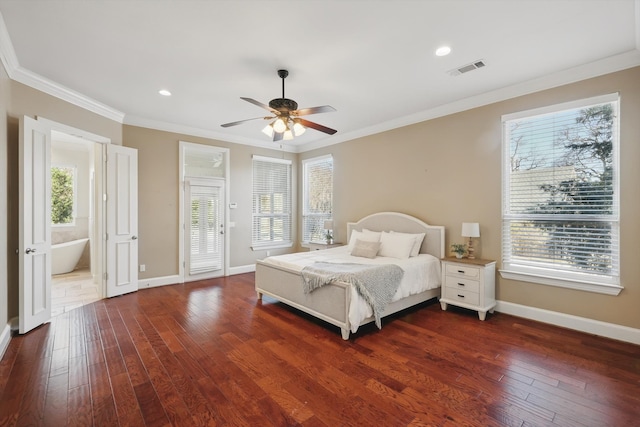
[{"x": 471, "y": 251}]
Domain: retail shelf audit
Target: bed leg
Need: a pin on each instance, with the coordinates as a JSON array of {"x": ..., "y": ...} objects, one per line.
[
  {"x": 259, "y": 295},
  {"x": 345, "y": 333}
]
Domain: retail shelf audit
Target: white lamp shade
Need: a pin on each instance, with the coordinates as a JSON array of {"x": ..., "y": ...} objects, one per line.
[
  {"x": 268, "y": 130},
  {"x": 279, "y": 125},
  {"x": 298, "y": 129},
  {"x": 328, "y": 225},
  {"x": 470, "y": 229}
]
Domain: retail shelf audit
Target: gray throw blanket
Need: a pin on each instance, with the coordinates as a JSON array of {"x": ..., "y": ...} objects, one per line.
[{"x": 377, "y": 284}]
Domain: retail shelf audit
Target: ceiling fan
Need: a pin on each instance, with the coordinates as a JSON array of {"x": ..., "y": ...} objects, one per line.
[{"x": 287, "y": 123}]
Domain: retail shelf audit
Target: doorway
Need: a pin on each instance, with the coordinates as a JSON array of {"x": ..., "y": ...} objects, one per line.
[
  {"x": 204, "y": 242},
  {"x": 75, "y": 267}
]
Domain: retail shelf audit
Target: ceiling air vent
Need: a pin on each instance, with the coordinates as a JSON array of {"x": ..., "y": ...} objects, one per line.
[{"x": 466, "y": 68}]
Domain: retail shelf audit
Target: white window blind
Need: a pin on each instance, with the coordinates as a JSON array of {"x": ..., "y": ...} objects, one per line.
[
  {"x": 317, "y": 197},
  {"x": 205, "y": 237},
  {"x": 271, "y": 202},
  {"x": 560, "y": 194}
]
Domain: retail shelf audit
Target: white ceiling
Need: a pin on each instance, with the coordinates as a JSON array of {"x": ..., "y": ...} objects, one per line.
[{"x": 372, "y": 60}]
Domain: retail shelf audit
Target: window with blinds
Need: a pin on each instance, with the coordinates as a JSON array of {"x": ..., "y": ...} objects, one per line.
[
  {"x": 271, "y": 202},
  {"x": 317, "y": 204},
  {"x": 560, "y": 195}
]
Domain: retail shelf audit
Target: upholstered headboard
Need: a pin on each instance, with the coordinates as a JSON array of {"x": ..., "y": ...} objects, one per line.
[{"x": 433, "y": 242}]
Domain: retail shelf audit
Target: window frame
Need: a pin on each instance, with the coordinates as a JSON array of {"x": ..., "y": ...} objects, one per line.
[
  {"x": 604, "y": 284},
  {"x": 325, "y": 216},
  {"x": 287, "y": 215}
]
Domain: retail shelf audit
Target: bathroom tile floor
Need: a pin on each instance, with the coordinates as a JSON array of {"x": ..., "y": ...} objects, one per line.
[{"x": 72, "y": 290}]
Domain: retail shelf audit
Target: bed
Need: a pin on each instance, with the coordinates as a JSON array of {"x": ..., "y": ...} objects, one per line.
[{"x": 338, "y": 303}]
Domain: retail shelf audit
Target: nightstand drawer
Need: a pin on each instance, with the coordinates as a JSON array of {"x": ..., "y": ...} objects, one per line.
[
  {"x": 462, "y": 283},
  {"x": 472, "y": 298},
  {"x": 463, "y": 270}
]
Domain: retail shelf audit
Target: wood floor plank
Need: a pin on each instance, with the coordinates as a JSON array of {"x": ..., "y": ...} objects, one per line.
[{"x": 209, "y": 353}]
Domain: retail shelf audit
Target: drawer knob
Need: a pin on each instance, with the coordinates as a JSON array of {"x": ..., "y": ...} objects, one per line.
[
  {"x": 461, "y": 296},
  {"x": 461, "y": 271},
  {"x": 460, "y": 284}
]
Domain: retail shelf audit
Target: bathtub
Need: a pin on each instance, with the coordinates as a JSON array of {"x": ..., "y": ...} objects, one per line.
[{"x": 65, "y": 256}]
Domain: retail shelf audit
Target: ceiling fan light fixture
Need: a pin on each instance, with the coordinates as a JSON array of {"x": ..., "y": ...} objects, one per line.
[
  {"x": 288, "y": 135},
  {"x": 298, "y": 129},
  {"x": 268, "y": 130},
  {"x": 279, "y": 125}
]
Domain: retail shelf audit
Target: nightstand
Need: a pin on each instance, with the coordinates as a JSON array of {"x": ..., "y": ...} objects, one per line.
[
  {"x": 469, "y": 283},
  {"x": 317, "y": 246}
]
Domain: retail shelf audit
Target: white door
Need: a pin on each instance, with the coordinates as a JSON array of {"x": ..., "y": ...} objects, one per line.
[
  {"x": 34, "y": 249},
  {"x": 204, "y": 228},
  {"x": 122, "y": 220}
]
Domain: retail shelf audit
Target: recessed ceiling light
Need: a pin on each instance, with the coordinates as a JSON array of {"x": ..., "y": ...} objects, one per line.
[
  {"x": 164, "y": 92},
  {"x": 443, "y": 51}
]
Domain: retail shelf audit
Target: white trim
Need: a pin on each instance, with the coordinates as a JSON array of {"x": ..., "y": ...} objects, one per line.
[
  {"x": 154, "y": 282},
  {"x": 600, "y": 288},
  {"x": 241, "y": 269},
  {"x": 582, "y": 324},
  {"x": 5, "y": 338},
  {"x": 271, "y": 159}
]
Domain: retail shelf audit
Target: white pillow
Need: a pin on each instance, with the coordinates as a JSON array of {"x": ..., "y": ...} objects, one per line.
[
  {"x": 375, "y": 234},
  {"x": 419, "y": 237},
  {"x": 364, "y": 236},
  {"x": 396, "y": 245}
]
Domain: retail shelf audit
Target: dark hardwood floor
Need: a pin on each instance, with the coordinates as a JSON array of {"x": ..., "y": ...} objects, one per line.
[{"x": 207, "y": 353}]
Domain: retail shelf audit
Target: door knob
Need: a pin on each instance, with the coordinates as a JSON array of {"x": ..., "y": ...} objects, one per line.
[
  {"x": 134, "y": 237},
  {"x": 29, "y": 250}
]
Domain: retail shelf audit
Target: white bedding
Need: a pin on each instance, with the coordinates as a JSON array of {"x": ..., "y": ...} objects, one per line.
[{"x": 421, "y": 273}]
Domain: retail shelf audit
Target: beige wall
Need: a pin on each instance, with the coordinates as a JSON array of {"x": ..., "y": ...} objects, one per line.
[
  {"x": 445, "y": 171},
  {"x": 158, "y": 189},
  {"x": 5, "y": 100},
  {"x": 448, "y": 170}
]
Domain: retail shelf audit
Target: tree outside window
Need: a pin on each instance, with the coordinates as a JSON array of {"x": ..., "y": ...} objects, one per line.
[{"x": 62, "y": 197}]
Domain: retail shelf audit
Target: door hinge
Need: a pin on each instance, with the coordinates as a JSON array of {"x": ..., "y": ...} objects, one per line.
[{"x": 106, "y": 276}]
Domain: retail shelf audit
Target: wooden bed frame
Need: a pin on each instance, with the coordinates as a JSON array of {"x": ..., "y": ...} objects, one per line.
[{"x": 331, "y": 302}]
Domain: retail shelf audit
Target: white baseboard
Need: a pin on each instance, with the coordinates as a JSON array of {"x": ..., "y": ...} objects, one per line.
[
  {"x": 159, "y": 281},
  {"x": 5, "y": 338},
  {"x": 583, "y": 324},
  {"x": 154, "y": 282},
  {"x": 242, "y": 269}
]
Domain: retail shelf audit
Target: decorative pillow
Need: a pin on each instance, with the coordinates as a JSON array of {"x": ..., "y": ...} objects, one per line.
[
  {"x": 419, "y": 237},
  {"x": 365, "y": 249},
  {"x": 370, "y": 236},
  {"x": 396, "y": 245}
]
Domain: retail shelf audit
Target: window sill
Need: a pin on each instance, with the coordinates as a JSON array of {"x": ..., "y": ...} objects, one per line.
[
  {"x": 271, "y": 246},
  {"x": 600, "y": 288}
]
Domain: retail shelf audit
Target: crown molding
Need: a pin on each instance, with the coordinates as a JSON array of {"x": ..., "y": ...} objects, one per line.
[
  {"x": 604, "y": 66},
  {"x": 36, "y": 81}
]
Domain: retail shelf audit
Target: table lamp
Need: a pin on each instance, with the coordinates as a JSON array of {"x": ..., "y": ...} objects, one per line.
[{"x": 470, "y": 230}]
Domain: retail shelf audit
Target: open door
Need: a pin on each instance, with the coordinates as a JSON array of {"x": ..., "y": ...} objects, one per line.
[
  {"x": 121, "y": 220},
  {"x": 34, "y": 250}
]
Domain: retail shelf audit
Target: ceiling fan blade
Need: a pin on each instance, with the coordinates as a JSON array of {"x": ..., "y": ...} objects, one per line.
[
  {"x": 313, "y": 110},
  {"x": 277, "y": 136},
  {"x": 259, "y": 104},
  {"x": 226, "y": 125},
  {"x": 316, "y": 126}
]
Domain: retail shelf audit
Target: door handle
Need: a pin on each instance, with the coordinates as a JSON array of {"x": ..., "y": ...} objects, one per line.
[
  {"x": 29, "y": 250},
  {"x": 134, "y": 237},
  {"x": 221, "y": 231}
]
